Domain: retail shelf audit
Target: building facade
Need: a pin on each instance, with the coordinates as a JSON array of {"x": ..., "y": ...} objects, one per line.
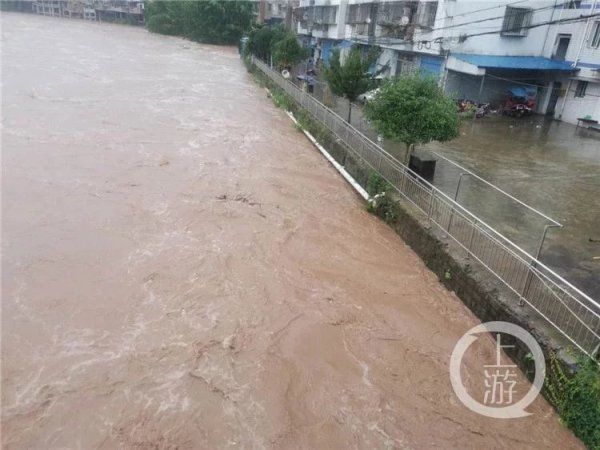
[
  {"x": 103, "y": 10},
  {"x": 477, "y": 50}
]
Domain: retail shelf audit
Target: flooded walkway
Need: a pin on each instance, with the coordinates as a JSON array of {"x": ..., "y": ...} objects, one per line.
[
  {"x": 182, "y": 269},
  {"x": 550, "y": 165}
]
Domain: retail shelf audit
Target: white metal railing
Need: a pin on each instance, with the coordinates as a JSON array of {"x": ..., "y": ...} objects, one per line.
[{"x": 573, "y": 313}]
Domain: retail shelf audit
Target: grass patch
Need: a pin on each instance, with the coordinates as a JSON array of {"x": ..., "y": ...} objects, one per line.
[{"x": 576, "y": 397}]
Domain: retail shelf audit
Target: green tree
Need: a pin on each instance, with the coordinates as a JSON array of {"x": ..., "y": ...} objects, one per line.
[
  {"x": 352, "y": 78},
  {"x": 413, "y": 110},
  {"x": 159, "y": 17},
  {"x": 212, "y": 21},
  {"x": 288, "y": 52},
  {"x": 262, "y": 39}
]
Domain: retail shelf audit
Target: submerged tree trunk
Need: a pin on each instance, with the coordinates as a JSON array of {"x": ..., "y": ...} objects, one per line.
[
  {"x": 349, "y": 112},
  {"x": 409, "y": 150}
]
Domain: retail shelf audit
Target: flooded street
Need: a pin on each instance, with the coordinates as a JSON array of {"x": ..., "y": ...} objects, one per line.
[
  {"x": 182, "y": 269},
  {"x": 548, "y": 164},
  {"x": 552, "y": 166}
]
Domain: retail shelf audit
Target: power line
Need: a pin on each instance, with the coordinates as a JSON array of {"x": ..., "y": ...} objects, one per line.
[
  {"x": 392, "y": 41},
  {"x": 529, "y": 10},
  {"x": 535, "y": 25},
  {"x": 466, "y": 13},
  {"x": 549, "y": 88}
]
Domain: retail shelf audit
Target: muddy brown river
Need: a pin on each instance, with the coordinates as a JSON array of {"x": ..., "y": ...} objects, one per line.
[{"x": 182, "y": 269}]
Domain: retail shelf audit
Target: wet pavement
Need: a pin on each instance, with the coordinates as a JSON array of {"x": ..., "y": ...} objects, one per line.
[
  {"x": 547, "y": 164},
  {"x": 182, "y": 269},
  {"x": 552, "y": 166}
]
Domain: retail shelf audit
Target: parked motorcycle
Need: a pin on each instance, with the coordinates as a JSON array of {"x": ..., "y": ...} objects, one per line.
[{"x": 480, "y": 109}]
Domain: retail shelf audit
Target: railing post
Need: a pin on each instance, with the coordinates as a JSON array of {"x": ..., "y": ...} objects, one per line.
[
  {"x": 471, "y": 240},
  {"x": 455, "y": 198},
  {"x": 533, "y": 263},
  {"x": 431, "y": 200}
]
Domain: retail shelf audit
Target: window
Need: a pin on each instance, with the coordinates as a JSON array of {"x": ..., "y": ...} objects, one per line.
[
  {"x": 405, "y": 63},
  {"x": 358, "y": 13},
  {"x": 595, "y": 37},
  {"x": 515, "y": 21},
  {"x": 573, "y": 4},
  {"x": 581, "y": 88},
  {"x": 426, "y": 13},
  {"x": 325, "y": 14}
]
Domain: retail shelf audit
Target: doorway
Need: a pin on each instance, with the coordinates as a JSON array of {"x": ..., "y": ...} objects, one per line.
[
  {"x": 556, "y": 88},
  {"x": 562, "y": 45}
]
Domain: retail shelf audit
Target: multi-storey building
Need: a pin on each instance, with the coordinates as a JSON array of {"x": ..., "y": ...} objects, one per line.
[
  {"x": 579, "y": 44},
  {"x": 103, "y": 10},
  {"x": 476, "y": 49}
]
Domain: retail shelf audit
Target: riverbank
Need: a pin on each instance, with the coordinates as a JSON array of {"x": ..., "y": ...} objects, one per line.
[{"x": 574, "y": 396}]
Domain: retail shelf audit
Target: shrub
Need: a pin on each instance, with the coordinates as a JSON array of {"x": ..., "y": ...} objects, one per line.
[
  {"x": 577, "y": 399},
  {"x": 376, "y": 184}
]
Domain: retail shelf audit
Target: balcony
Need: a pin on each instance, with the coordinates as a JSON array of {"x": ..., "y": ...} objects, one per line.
[{"x": 393, "y": 14}]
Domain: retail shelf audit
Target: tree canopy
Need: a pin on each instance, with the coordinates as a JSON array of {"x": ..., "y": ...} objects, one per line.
[
  {"x": 287, "y": 51},
  {"x": 211, "y": 21},
  {"x": 351, "y": 78},
  {"x": 414, "y": 110},
  {"x": 262, "y": 39}
]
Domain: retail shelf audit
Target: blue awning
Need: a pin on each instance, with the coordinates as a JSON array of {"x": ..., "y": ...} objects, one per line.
[
  {"x": 515, "y": 62},
  {"x": 345, "y": 44}
]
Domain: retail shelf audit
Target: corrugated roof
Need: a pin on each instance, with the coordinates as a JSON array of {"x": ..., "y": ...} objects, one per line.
[{"x": 515, "y": 62}]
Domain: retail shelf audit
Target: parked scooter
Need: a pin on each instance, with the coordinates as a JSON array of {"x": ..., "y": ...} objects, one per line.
[
  {"x": 520, "y": 101},
  {"x": 483, "y": 109}
]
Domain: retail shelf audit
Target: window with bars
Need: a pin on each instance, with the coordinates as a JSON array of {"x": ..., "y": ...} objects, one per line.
[
  {"x": 358, "y": 13},
  {"x": 516, "y": 21},
  {"x": 325, "y": 14},
  {"x": 405, "y": 63},
  {"x": 392, "y": 12},
  {"x": 426, "y": 14}
]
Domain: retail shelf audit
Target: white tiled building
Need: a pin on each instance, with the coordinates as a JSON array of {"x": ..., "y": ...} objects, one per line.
[{"x": 477, "y": 49}]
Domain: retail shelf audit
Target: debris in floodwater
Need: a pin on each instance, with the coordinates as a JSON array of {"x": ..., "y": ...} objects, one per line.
[
  {"x": 238, "y": 198},
  {"x": 229, "y": 342}
]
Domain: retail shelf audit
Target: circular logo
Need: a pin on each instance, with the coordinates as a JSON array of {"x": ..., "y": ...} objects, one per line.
[{"x": 499, "y": 379}]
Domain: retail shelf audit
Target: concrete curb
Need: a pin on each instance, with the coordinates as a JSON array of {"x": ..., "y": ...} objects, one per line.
[{"x": 364, "y": 194}]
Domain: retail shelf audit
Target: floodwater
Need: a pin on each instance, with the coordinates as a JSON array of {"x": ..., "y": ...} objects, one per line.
[
  {"x": 550, "y": 165},
  {"x": 182, "y": 269}
]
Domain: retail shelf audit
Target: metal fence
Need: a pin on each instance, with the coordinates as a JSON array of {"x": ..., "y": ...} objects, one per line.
[{"x": 562, "y": 305}]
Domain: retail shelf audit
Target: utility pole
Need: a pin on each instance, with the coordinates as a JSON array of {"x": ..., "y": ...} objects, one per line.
[
  {"x": 373, "y": 21},
  {"x": 262, "y": 6},
  {"x": 289, "y": 14}
]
